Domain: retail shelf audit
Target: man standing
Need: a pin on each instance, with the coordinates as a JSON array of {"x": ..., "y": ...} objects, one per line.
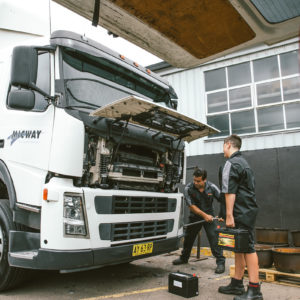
[
  {"x": 199, "y": 197},
  {"x": 241, "y": 209}
]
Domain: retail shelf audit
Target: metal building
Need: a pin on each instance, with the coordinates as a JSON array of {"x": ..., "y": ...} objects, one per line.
[{"x": 254, "y": 93}]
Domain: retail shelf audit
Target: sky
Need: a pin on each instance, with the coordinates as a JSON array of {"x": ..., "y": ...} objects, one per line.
[{"x": 64, "y": 19}]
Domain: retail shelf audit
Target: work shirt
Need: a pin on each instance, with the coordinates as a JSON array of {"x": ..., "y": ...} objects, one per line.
[
  {"x": 202, "y": 200},
  {"x": 238, "y": 179}
]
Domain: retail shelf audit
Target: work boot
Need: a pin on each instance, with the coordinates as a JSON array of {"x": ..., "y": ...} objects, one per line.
[
  {"x": 253, "y": 293},
  {"x": 236, "y": 287},
  {"x": 220, "y": 269},
  {"x": 179, "y": 261}
]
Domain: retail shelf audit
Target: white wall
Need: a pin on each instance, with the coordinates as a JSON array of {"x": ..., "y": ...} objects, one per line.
[{"x": 21, "y": 20}]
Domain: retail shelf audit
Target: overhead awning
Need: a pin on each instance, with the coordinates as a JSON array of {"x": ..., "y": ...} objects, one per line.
[
  {"x": 150, "y": 115},
  {"x": 188, "y": 33}
]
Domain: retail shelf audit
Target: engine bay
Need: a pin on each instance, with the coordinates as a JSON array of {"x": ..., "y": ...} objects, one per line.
[
  {"x": 135, "y": 144},
  {"x": 112, "y": 165}
]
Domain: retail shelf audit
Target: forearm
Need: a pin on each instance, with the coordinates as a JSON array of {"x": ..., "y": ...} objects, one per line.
[
  {"x": 230, "y": 199},
  {"x": 197, "y": 211}
]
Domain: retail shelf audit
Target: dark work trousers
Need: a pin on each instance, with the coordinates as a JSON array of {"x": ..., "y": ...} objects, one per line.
[{"x": 190, "y": 236}]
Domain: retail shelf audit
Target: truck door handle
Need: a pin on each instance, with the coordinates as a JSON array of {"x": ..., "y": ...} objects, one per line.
[{"x": 1, "y": 143}]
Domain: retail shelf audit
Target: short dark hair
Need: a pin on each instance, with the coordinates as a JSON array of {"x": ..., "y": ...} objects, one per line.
[
  {"x": 200, "y": 173},
  {"x": 234, "y": 140}
]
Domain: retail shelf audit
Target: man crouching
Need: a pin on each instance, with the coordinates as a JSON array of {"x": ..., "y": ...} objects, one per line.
[{"x": 199, "y": 196}]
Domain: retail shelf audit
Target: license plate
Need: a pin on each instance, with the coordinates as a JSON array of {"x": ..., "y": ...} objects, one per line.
[{"x": 141, "y": 249}]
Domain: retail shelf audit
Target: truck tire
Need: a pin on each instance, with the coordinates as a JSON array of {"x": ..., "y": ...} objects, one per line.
[{"x": 9, "y": 276}]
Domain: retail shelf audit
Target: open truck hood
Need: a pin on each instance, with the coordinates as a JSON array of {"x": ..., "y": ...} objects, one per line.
[
  {"x": 189, "y": 33},
  {"x": 150, "y": 115}
]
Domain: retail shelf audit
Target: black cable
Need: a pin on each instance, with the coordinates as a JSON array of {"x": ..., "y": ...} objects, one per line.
[
  {"x": 118, "y": 145},
  {"x": 96, "y": 13},
  {"x": 173, "y": 160}
]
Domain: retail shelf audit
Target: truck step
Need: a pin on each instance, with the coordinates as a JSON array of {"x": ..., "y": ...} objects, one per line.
[{"x": 24, "y": 254}]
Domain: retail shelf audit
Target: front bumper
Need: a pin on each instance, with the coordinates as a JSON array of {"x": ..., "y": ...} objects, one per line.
[{"x": 43, "y": 259}]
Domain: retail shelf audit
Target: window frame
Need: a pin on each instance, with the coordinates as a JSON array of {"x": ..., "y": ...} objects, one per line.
[{"x": 253, "y": 88}]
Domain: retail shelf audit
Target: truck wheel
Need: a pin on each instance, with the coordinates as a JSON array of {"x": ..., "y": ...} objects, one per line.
[{"x": 9, "y": 276}]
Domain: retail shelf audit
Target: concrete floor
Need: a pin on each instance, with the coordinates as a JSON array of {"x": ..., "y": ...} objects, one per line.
[
  {"x": 140, "y": 280},
  {"x": 209, "y": 281}
]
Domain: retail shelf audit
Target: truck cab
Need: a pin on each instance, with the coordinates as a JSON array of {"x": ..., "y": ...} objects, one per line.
[{"x": 91, "y": 158}]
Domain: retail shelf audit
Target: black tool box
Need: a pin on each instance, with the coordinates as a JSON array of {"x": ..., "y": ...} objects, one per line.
[
  {"x": 233, "y": 239},
  {"x": 183, "y": 284}
]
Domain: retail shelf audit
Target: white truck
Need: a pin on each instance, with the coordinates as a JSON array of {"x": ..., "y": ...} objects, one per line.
[{"x": 91, "y": 156}]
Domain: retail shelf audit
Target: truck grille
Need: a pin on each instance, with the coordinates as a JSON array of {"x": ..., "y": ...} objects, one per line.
[
  {"x": 134, "y": 205},
  {"x": 136, "y": 230}
]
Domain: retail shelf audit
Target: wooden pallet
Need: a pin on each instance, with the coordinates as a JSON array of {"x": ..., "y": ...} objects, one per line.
[
  {"x": 274, "y": 276},
  {"x": 206, "y": 251}
]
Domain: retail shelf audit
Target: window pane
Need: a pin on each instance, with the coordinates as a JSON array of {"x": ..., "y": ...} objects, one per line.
[
  {"x": 289, "y": 63},
  {"x": 268, "y": 92},
  {"x": 292, "y": 112},
  {"x": 220, "y": 122},
  {"x": 217, "y": 102},
  {"x": 270, "y": 118},
  {"x": 276, "y": 11},
  {"x": 265, "y": 68},
  {"x": 215, "y": 79},
  {"x": 239, "y": 74},
  {"x": 243, "y": 122},
  {"x": 291, "y": 88},
  {"x": 240, "y": 98},
  {"x": 43, "y": 81}
]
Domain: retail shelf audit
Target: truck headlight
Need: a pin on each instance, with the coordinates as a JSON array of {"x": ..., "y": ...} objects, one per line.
[{"x": 74, "y": 215}]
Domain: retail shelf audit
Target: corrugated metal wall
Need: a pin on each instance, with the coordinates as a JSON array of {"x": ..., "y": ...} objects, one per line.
[{"x": 189, "y": 85}]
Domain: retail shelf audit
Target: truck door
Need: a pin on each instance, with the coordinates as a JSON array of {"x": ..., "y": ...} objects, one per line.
[{"x": 27, "y": 138}]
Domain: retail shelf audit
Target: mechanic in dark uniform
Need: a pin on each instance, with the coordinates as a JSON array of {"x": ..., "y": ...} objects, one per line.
[
  {"x": 238, "y": 185},
  {"x": 199, "y": 197}
]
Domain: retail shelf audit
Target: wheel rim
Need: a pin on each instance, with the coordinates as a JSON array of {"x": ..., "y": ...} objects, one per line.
[{"x": 1, "y": 244}]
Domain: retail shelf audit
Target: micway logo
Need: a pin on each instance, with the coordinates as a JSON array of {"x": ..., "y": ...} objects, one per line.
[{"x": 24, "y": 134}]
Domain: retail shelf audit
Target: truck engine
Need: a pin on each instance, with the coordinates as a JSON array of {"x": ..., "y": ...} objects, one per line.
[{"x": 112, "y": 165}]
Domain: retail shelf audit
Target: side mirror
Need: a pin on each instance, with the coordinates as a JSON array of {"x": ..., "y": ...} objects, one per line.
[
  {"x": 21, "y": 99},
  {"x": 24, "y": 67}
]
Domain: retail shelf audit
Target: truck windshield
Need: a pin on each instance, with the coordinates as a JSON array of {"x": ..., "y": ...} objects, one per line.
[{"x": 96, "y": 81}]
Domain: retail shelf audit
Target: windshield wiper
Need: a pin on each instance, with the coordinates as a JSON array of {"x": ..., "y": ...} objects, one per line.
[{"x": 82, "y": 106}]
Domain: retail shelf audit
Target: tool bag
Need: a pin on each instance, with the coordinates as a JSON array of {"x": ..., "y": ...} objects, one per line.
[{"x": 233, "y": 239}]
